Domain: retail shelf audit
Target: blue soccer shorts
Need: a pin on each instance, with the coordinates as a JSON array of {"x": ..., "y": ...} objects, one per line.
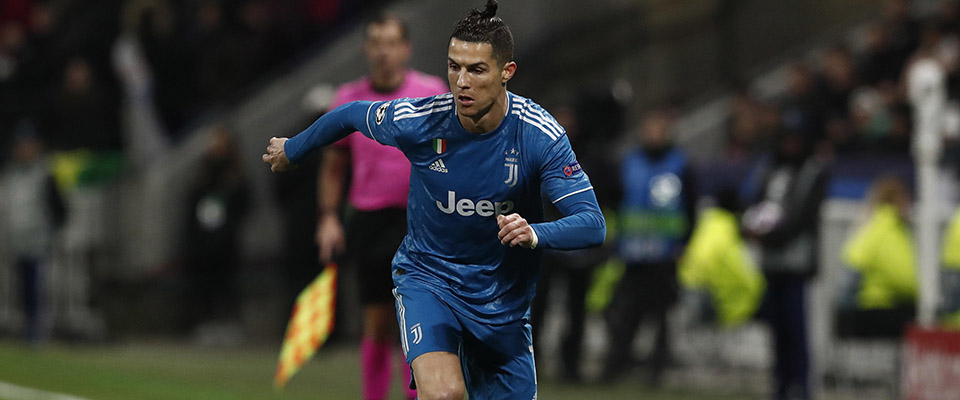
[{"x": 497, "y": 361}]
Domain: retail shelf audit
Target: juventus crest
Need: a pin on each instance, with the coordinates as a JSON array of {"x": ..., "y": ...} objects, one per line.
[{"x": 511, "y": 161}]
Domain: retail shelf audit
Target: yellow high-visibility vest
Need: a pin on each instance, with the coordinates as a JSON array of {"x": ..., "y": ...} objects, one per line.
[
  {"x": 716, "y": 260},
  {"x": 882, "y": 251}
]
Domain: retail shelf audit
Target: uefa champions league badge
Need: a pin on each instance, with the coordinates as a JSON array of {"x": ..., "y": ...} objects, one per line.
[{"x": 572, "y": 168}]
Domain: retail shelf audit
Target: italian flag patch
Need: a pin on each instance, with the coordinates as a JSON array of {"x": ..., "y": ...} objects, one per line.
[{"x": 439, "y": 145}]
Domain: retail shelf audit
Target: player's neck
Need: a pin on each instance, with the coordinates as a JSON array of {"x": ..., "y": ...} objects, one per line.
[
  {"x": 387, "y": 81},
  {"x": 489, "y": 119}
]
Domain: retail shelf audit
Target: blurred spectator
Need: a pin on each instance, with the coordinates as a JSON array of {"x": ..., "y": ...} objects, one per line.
[
  {"x": 218, "y": 204},
  {"x": 656, "y": 214},
  {"x": 841, "y": 138},
  {"x": 717, "y": 263},
  {"x": 215, "y": 50},
  {"x": 950, "y": 274},
  {"x": 903, "y": 28},
  {"x": 748, "y": 129},
  {"x": 882, "y": 266},
  {"x": 14, "y": 55},
  {"x": 144, "y": 131},
  {"x": 879, "y": 62},
  {"x": 785, "y": 191},
  {"x": 800, "y": 109},
  {"x": 34, "y": 211},
  {"x": 85, "y": 112},
  {"x": 880, "y": 120},
  {"x": 837, "y": 80},
  {"x": 574, "y": 268},
  {"x": 152, "y": 25}
]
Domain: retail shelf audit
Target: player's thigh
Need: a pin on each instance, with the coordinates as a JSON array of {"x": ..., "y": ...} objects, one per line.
[
  {"x": 426, "y": 323},
  {"x": 498, "y": 362},
  {"x": 438, "y": 376}
]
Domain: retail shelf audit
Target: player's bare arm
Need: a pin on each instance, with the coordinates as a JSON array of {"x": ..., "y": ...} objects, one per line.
[
  {"x": 276, "y": 156},
  {"x": 516, "y": 231}
]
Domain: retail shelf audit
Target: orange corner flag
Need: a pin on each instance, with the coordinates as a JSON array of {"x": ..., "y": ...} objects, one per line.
[{"x": 310, "y": 324}]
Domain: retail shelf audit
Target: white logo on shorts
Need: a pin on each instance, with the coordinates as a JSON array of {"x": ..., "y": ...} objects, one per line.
[{"x": 417, "y": 333}]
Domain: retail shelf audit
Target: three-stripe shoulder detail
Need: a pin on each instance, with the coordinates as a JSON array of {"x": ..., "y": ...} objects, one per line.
[
  {"x": 533, "y": 116},
  {"x": 407, "y": 109}
]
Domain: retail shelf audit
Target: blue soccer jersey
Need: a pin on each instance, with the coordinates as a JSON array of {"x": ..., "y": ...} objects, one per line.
[{"x": 460, "y": 182}]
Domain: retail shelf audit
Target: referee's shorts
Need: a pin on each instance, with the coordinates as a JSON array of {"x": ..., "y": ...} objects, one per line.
[{"x": 372, "y": 239}]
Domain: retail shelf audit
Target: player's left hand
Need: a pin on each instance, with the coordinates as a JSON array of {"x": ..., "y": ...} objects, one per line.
[
  {"x": 276, "y": 156},
  {"x": 515, "y": 231}
]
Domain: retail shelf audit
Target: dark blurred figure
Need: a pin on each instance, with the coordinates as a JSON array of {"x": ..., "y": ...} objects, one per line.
[
  {"x": 218, "y": 204},
  {"x": 154, "y": 24},
  {"x": 656, "y": 214},
  {"x": 880, "y": 61},
  {"x": 881, "y": 122},
  {"x": 574, "y": 268},
  {"x": 904, "y": 29},
  {"x": 785, "y": 191},
  {"x": 840, "y": 138},
  {"x": 214, "y": 48},
  {"x": 837, "y": 80},
  {"x": 748, "y": 129},
  {"x": 800, "y": 109},
  {"x": 13, "y": 54},
  {"x": 34, "y": 212},
  {"x": 85, "y": 112}
]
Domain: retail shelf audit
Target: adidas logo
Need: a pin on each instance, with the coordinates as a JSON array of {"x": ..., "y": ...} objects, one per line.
[{"x": 438, "y": 166}]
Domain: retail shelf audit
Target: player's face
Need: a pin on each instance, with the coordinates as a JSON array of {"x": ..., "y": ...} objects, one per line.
[
  {"x": 476, "y": 78},
  {"x": 385, "y": 48}
]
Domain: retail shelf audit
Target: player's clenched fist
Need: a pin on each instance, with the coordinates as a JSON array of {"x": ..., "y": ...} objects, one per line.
[
  {"x": 515, "y": 231},
  {"x": 275, "y": 156}
]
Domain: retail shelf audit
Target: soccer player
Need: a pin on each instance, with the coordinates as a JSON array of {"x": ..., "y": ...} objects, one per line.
[
  {"x": 378, "y": 193},
  {"x": 480, "y": 158}
]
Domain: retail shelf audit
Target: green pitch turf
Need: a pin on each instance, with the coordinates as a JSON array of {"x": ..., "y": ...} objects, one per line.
[{"x": 176, "y": 371}]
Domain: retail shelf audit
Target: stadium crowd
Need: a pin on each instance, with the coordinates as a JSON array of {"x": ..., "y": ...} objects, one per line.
[{"x": 57, "y": 69}]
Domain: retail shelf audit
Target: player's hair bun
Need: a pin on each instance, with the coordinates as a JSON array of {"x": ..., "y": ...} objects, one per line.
[{"x": 490, "y": 10}]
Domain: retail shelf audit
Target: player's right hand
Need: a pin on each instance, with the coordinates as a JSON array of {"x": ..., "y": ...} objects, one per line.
[
  {"x": 275, "y": 156},
  {"x": 330, "y": 237}
]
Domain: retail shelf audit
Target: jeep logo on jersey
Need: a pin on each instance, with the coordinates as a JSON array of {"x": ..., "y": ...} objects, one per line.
[
  {"x": 381, "y": 112},
  {"x": 467, "y": 207}
]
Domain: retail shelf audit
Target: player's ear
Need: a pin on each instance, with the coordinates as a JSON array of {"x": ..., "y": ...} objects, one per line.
[{"x": 507, "y": 72}]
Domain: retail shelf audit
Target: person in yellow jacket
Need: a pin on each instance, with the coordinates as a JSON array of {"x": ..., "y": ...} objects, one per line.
[
  {"x": 881, "y": 260},
  {"x": 881, "y": 251},
  {"x": 717, "y": 261},
  {"x": 950, "y": 275}
]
